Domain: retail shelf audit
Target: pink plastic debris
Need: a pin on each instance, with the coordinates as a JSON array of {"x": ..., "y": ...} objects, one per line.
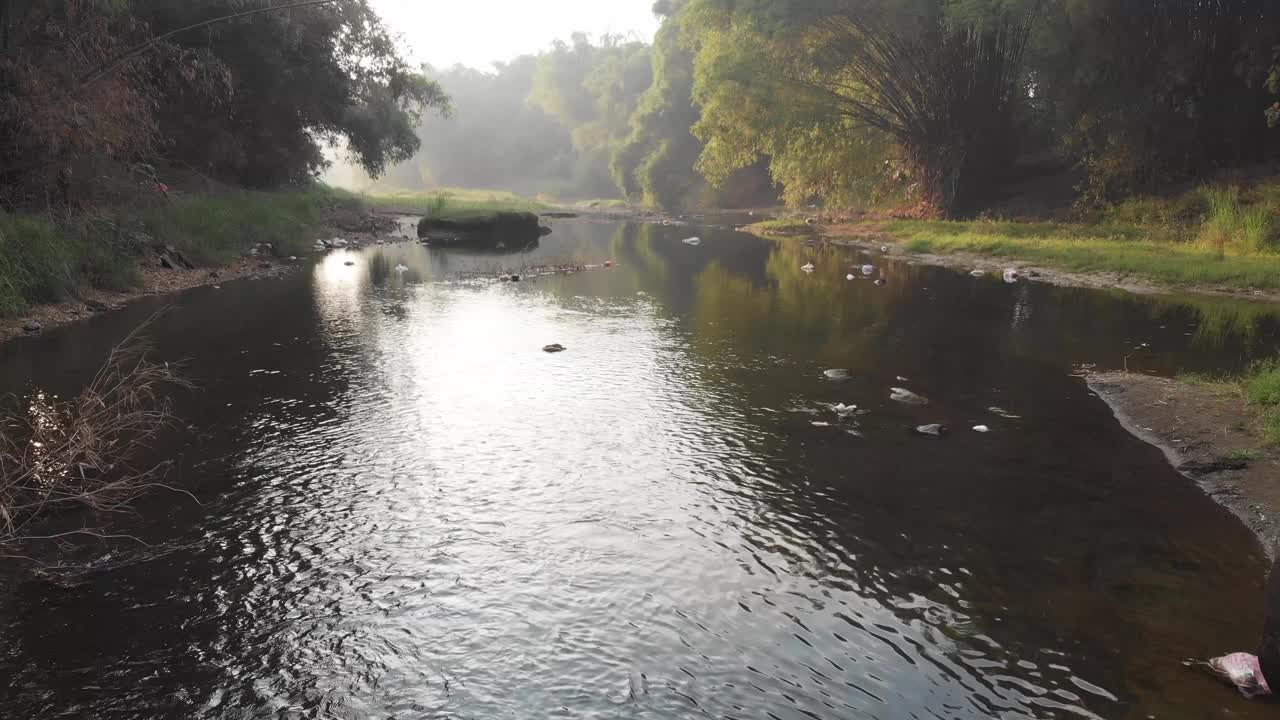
[{"x": 1244, "y": 671}]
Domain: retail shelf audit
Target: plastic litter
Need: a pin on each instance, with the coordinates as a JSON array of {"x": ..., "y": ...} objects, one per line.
[
  {"x": 981, "y": 428},
  {"x": 978, "y": 273},
  {"x": 868, "y": 269},
  {"x": 934, "y": 430},
  {"x": 838, "y": 374},
  {"x": 850, "y": 277},
  {"x": 692, "y": 241},
  {"x": 1003, "y": 413},
  {"x": 1012, "y": 275},
  {"x": 554, "y": 348},
  {"x": 904, "y": 395},
  {"x": 808, "y": 267},
  {"x": 1243, "y": 671}
]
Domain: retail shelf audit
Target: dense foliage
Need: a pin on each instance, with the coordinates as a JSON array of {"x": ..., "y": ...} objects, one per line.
[{"x": 242, "y": 92}]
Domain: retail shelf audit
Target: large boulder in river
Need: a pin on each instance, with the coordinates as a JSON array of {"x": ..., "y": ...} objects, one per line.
[{"x": 493, "y": 231}]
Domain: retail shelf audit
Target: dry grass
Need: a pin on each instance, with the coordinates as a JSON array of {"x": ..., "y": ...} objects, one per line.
[{"x": 84, "y": 453}]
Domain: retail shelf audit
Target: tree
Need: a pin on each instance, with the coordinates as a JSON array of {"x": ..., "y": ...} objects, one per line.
[
  {"x": 940, "y": 79},
  {"x": 293, "y": 80}
]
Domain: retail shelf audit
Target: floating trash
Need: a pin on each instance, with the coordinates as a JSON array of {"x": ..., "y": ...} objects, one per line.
[
  {"x": 402, "y": 268},
  {"x": 819, "y": 423},
  {"x": 808, "y": 267},
  {"x": 349, "y": 263},
  {"x": 838, "y": 374},
  {"x": 981, "y": 428},
  {"x": 841, "y": 409},
  {"x": 850, "y": 277},
  {"x": 880, "y": 281},
  {"x": 884, "y": 248},
  {"x": 903, "y": 380},
  {"x": 934, "y": 430},
  {"x": 1003, "y": 413},
  {"x": 978, "y": 273},
  {"x": 868, "y": 269},
  {"x": 905, "y": 396},
  {"x": 554, "y": 348},
  {"x": 1012, "y": 275},
  {"x": 692, "y": 241}
]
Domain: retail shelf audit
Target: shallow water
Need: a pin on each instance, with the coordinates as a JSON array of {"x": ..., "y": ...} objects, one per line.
[{"x": 406, "y": 509}]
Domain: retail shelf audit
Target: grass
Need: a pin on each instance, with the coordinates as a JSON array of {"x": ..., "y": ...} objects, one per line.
[
  {"x": 1248, "y": 455},
  {"x": 46, "y": 258},
  {"x": 454, "y": 204},
  {"x": 1213, "y": 235},
  {"x": 781, "y": 227},
  {"x": 1106, "y": 247},
  {"x": 43, "y": 259},
  {"x": 1260, "y": 388},
  {"x": 216, "y": 230}
]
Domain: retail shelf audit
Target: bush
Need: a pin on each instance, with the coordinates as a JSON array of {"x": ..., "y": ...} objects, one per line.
[{"x": 85, "y": 453}]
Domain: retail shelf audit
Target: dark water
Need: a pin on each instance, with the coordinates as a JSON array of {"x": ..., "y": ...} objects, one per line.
[{"x": 408, "y": 510}]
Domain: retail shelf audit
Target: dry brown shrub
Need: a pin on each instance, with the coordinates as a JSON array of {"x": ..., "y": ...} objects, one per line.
[{"x": 86, "y": 453}]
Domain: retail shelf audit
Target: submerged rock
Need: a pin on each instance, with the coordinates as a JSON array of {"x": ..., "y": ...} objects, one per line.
[{"x": 907, "y": 397}]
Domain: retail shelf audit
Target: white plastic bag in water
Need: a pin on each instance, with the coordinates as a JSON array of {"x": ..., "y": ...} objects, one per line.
[{"x": 1243, "y": 671}]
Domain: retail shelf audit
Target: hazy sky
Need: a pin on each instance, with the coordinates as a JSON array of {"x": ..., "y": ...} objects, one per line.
[{"x": 478, "y": 32}]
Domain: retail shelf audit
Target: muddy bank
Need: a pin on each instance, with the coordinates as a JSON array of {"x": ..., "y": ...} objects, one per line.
[{"x": 1209, "y": 435}]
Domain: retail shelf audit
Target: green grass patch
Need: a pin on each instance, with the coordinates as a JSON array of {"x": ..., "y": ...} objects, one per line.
[
  {"x": 216, "y": 230},
  {"x": 1245, "y": 455},
  {"x": 1107, "y": 247},
  {"x": 454, "y": 204},
  {"x": 781, "y": 227},
  {"x": 1262, "y": 389},
  {"x": 45, "y": 259}
]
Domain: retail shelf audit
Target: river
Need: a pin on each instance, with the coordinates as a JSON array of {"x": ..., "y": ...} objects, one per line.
[{"x": 401, "y": 507}]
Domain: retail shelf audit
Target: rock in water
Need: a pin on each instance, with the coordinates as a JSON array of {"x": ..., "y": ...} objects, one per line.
[
  {"x": 907, "y": 397},
  {"x": 838, "y": 375},
  {"x": 934, "y": 430},
  {"x": 32, "y": 326},
  {"x": 554, "y": 348}
]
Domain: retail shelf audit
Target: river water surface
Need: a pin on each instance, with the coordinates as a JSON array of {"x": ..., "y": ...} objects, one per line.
[{"x": 407, "y": 510}]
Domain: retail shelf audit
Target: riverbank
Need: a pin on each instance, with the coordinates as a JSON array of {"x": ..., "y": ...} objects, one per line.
[
  {"x": 56, "y": 271},
  {"x": 1142, "y": 268},
  {"x": 1218, "y": 240},
  {"x": 1210, "y": 433}
]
